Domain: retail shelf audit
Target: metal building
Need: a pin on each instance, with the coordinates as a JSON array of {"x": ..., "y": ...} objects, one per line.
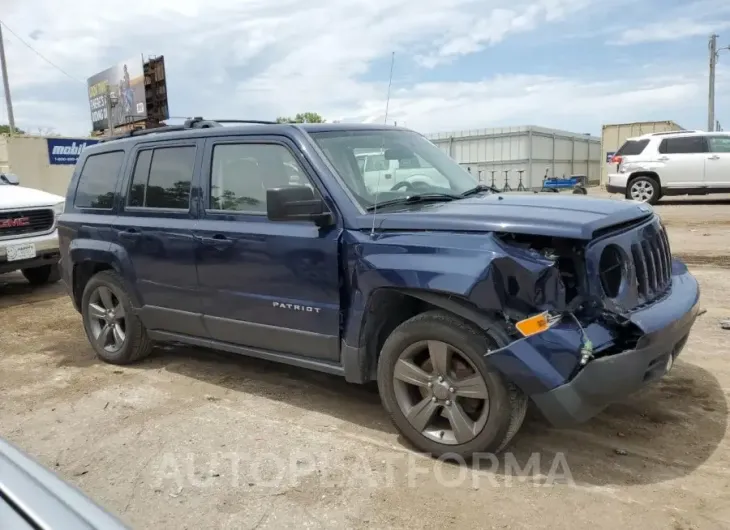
[
  {"x": 614, "y": 135},
  {"x": 39, "y": 162},
  {"x": 533, "y": 150}
]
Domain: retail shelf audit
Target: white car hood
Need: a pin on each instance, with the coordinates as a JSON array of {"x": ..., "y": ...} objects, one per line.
[{"x": 15, "y": 197}]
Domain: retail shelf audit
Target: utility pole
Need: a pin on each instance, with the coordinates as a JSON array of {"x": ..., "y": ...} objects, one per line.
[
  {"x": 6, "y": 84},
  {"x": 714, "y": 56},
  {"x": 711, "y": 98}
]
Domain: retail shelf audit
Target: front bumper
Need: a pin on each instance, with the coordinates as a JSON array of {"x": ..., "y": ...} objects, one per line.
[
  {"x": 604, "y": 380},
  {"x": 46, "y": 248}
]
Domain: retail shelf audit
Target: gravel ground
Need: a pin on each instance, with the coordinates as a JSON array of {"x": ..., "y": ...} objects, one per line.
[{"x": 196, "y": 439}]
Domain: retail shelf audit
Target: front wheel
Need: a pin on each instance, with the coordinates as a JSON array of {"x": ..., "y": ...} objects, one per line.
[{"x": 440, "y": 392}]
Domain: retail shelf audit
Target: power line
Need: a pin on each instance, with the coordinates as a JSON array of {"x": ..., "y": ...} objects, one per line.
[{"x": 39, "y": 54}]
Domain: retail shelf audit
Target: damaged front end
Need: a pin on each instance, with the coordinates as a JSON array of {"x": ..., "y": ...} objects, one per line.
[{"x": 591, "y": 321}]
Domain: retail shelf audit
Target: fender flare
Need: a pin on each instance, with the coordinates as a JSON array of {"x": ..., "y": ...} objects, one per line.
[
  {"x": 466, "y": 310},
  {"x": 359, "y": 365},
  {"x": 115, "y": 256}
]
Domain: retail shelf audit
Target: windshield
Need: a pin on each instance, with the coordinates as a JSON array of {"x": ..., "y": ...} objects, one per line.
[{"x": 379, "y": 166}]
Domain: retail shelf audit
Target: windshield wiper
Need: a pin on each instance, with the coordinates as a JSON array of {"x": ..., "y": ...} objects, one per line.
[
  {"x": 413, "y": 199},
  {"x": 480, "y": 188}
]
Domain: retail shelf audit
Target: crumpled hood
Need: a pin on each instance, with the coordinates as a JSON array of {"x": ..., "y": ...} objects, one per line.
[
  {"x": 13, "y": 197},
  {"x": 549, "y": 214}
]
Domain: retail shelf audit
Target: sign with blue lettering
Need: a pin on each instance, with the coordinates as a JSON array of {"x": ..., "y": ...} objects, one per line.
[
  {"x": 66, "y": 151},
  {"x": 609, "y": 156}
]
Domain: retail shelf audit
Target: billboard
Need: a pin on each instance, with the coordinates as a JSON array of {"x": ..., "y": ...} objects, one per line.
[
  {"x": 66, "y": 151},
  {"x": 124, "y": 80}
]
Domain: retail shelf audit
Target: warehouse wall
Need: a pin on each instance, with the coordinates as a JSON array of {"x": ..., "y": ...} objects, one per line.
[
  {"x": 533, "y": 150},
  {"x": 27, "y": 157}
]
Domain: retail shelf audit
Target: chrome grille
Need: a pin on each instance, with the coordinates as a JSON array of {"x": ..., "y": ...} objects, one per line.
[
  {"x": 653, "y": 264},
  {"x": 646, "y": 270},
  {"x": 25, "y": 222}
]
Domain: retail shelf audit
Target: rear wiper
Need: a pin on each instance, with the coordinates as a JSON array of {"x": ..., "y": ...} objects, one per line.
[
  {"x": 480, "y": 188},
  {"x": 413, "y": 199}
]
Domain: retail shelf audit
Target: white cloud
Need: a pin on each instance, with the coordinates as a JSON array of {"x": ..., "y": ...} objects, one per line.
[
  {"x": 263, "y": 58},
  {"x": 690, "y": 18},
  {"x": 669, "y": 30},
  {"x": 471, "y": 33}
]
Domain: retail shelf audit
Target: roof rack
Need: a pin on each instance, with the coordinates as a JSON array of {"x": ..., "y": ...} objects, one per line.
[
  {"x": 674, "y": 132},
  {"x": 197, "y": 122}
]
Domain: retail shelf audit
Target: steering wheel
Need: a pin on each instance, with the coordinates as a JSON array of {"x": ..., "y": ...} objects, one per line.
[{"x": 409, "y": 186}]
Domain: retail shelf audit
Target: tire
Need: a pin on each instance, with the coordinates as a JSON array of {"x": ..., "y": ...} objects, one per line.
[
  {"x": 650, "y": 186},
  {"x": 136, "y": 344},
  {"x": 580, "y": 190},
  {"x": 42, "y": 275},
  {"x": 507, "y": 405}
]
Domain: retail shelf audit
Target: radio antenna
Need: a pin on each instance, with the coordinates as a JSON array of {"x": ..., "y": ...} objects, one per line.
[
  {"x": 390, "y": 83},
  {"x": 382, "y": 147}
]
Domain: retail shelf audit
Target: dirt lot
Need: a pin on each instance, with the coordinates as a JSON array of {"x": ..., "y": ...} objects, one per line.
[{"x": 193, "y": 439}]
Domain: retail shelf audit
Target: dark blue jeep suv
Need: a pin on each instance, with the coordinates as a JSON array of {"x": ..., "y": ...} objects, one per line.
[{"x": 268, "y": 240}]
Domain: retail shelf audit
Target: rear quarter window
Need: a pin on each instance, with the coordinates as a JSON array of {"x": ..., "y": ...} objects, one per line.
[
  {"x": 98, "y": 180},
  {"x": 632, "y": 148}
]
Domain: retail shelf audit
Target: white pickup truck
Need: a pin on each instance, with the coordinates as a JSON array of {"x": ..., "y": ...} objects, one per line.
[
  {"x": 383, "y": 174},
  {"x": 28, "y": 234}
]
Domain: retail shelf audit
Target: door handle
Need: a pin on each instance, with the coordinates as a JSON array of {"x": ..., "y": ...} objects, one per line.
[
  {"x": 129, "y": 233},
  {"x": 218, "y": 241},
  {"x": 663, "y": 158},
  {"x": 388, "y": 175},
  {"x": 713, "y": 157}
]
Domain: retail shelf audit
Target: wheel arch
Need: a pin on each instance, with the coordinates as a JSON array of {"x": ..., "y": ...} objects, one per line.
[
  {"x": 89, "y": 257},
  {"x": 388, "y": 307},
  {"x": 651, "y": 174}
]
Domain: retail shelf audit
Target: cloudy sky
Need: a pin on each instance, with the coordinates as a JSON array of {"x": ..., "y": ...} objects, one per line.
[{"x": 567, "y": 64}]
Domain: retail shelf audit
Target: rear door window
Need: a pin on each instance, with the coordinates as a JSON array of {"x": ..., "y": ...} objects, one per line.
[
  {"x": 683, "y": 145},
  {"x": 632, "y": 147},
  {"x": 719, "y": 144},
  {"x": 162, "y": 178},
  {"x": 98, "y": 181}
]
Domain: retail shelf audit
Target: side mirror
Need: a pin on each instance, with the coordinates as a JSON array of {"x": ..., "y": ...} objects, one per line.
[
  {"x": 296, "y": 203},
  {"x": 9, "y": 178}
]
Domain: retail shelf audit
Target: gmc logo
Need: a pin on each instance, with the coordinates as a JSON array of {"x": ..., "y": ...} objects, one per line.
[{"x": 12, "y": 223}]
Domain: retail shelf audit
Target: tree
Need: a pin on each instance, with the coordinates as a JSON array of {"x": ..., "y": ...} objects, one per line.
[
  {"x": 302, "y": 117},
  {"x": 5, "y": 129}
]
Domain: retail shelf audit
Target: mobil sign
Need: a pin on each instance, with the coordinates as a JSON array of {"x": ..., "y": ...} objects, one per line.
[{"x": 65, "y": 151}]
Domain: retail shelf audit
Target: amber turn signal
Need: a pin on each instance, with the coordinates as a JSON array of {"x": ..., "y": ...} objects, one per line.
[{"x": 533, "y": 325}]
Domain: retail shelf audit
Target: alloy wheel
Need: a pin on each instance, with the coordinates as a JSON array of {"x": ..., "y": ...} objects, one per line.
[
  {"x": 107, "y": 319},
  {"x": 642, "y": 190},
  {"x": 440, "y": 392}
]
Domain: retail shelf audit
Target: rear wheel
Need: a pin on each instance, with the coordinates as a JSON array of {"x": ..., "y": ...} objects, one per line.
[
  {"x": 644, "y": 189},
  {"x": 440, "y": 392},
  {"x": 114, "y": 331},
  {"x": 42, "y": 275}
]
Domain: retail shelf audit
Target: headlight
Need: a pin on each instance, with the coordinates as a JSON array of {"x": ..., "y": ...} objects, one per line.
[{"x": 58, "y": 209}]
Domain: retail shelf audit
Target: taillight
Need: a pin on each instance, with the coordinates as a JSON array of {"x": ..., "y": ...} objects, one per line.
[{"x": 616, "y": 159}]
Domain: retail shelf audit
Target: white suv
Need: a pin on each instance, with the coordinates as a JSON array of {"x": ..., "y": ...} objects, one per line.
[
  {"x": 672, "y": 163},
  {"x": 28, "y": 234}
]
